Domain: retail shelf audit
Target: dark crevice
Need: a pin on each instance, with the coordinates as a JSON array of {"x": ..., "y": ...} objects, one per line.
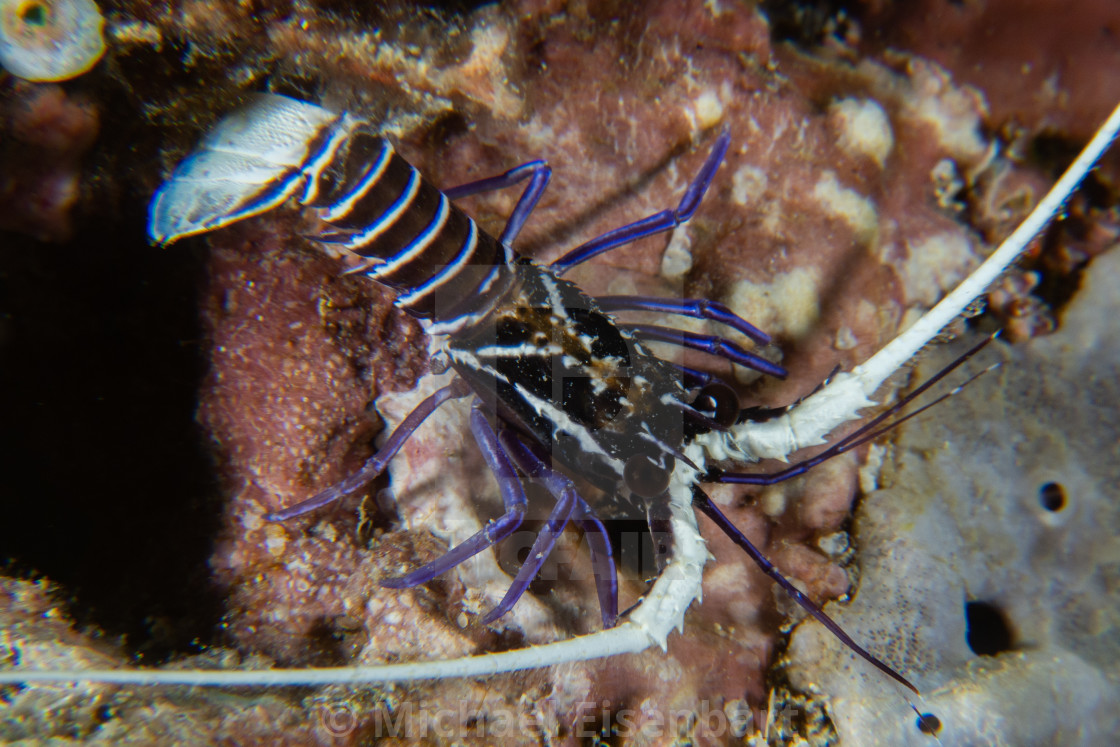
[
  {"x": 988, "y": 631},
  {"x": 928, "y": 723},
  {"x": 807, "y": 23},
  {"x": 109, "y": 490}
]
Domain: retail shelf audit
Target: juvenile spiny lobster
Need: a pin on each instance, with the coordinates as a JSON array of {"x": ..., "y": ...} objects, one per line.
[
  {"x": 546, "y": 361},
  {"x": 541, "y": 357}
]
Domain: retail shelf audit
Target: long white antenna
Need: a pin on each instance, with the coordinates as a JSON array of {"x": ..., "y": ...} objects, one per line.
[{"x": 878, "y": 367}]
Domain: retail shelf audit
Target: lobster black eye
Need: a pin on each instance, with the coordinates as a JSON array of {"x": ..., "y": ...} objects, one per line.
[
  {"x": 645, "y": 477},
  {"x": 718, "y": 402}
]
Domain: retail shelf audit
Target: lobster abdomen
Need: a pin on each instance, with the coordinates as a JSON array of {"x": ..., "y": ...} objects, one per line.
[{"x": 374, "y": 203}]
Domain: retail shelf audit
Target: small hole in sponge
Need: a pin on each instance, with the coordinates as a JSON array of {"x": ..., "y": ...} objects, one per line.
[
  {"x": 929, "y": 723},
  {"x": 988, "y": 632},
  {"x": 33, "y": 14},
  {"x": 1052, "y": 496}
]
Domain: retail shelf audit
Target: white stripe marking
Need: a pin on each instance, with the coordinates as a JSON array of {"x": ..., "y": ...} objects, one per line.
[
  {"x": 517, "y": 351},
  {"x": 559, "y": 419},
  {"x": 554, "y": 298},
  {"x": 446, "y": 273},
  {"x": 346, "y": 204},
  {"x": 489, "y": 281},
  {"x": 314, "y": 169},
  {"x": 419, "y": 244},
  {"x": 386, "y": 221}
]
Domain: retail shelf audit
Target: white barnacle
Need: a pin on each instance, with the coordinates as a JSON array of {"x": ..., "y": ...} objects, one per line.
[{"x": 46, "y": 40}]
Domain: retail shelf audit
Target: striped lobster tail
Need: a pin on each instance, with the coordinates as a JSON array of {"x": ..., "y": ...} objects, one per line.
[
  {"x": 377, "y": 206},
  {"x": 372, "y": 202}
]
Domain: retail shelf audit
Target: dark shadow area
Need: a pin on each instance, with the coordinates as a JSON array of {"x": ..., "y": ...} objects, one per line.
[
  {"x": 108, "y": 490},
  {"x": 806, "y": 23}
]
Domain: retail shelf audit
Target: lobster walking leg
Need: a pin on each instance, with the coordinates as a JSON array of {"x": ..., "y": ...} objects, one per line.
[
  {"x": 697, "y": 308},
  {"x": 376, "y": 463},
  {"x": 694, "y": 377},
  {"x": 712, "y": 344},
  {"x": 666, "y": 220},
  {"x": 602, "y": 561},
  {"x": 513, "y": 496},
  {"x": 542, "y": 546},
  {"x": 705, "y": 505},
  {"x": 538, "y": 171},
  {"x": 531, "y": 461}
]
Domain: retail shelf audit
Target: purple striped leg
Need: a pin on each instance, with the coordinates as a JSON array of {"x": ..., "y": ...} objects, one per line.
[
  {"x": 709, "y": 344},
  {"x": 697, "y": 308},
  {"x": 694, "y": 378},
  {"x": 539, "y": 171},
  {"x": 376, "y": 463},
  {"x": 666, "y": 220},
  {"x": 513, "y": 496},
  {"x": 569, "y": 506},
  {"x": 602, "y": 562}
]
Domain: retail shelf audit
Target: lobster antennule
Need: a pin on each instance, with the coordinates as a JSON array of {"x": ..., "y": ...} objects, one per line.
[{"x": 253, "y": 160}]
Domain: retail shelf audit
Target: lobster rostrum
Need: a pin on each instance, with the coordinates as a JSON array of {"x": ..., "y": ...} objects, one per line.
[{"x": 555, "y": 378}]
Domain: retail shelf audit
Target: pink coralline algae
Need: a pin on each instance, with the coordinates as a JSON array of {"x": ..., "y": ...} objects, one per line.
[
  {"x": 1044, "y": 65},
  {"x": 862, "y": 183}
]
